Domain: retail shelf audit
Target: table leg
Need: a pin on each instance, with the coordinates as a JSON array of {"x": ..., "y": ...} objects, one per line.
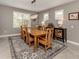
[{"x": 35, "y": 43}]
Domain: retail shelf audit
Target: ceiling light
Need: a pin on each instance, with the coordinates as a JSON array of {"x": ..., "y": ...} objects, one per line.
[{"x": 34, "y": 16}]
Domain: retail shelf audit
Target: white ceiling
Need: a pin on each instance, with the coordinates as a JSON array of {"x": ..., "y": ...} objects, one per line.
[{"x": 40, "y": 5}]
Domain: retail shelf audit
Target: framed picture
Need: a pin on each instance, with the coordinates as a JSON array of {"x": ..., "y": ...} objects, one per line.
[{"x": 74, "y": 16}]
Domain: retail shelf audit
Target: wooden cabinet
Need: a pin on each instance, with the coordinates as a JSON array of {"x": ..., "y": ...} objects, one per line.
[{"x": 60, "y": 34}]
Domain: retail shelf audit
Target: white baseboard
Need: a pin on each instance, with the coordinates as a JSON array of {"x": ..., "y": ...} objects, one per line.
[
  {"x": 9, "y": 35},
  {"x": 72, "y": 42}
]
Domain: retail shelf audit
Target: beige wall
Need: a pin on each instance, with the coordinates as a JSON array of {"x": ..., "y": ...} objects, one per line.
[
  {"x": 6, "y": 19},
  {"x": 72, "y": 33}
]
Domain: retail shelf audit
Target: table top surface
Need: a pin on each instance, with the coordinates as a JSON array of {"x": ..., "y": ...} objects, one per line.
[{"x": 36, "y": 32}]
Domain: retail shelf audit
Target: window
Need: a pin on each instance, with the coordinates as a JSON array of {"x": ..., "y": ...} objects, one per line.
[
  {"x": 45, "y": 18},
  {"x": 21, "y": 19},
  {"x": 59, "y": 16}
]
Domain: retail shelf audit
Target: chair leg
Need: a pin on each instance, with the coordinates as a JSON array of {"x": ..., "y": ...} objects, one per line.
[
  {"x": 45, "y": 48},
  {"x": 27, "y": 41},
  {"x": 38, "y": 42},
  {"x": 23, "y": 38},
  {"x": 29, "y": 44},
  {"x": 50, "y": 46}
]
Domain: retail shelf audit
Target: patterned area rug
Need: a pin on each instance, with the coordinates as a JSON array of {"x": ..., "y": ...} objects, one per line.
[{"x": 21, "y": 50}]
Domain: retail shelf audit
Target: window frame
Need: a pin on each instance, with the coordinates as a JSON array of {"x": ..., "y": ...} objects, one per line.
[{"x": 15, "y": 19}]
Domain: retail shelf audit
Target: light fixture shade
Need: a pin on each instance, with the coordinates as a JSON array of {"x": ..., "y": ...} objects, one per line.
[{"x": 35, "y": 16}]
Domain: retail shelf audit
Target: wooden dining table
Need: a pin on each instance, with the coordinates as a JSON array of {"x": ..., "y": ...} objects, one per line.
[{"x": 36, "y": 33}]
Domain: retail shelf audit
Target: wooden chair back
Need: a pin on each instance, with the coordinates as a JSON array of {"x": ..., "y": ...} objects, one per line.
[
  {"x": 49, "y": 37},
  {"x": 24, "y": 32},
  {"x": 26, "y": 35}
]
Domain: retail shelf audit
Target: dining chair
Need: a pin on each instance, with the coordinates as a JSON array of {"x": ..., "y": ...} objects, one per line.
[
  {"x": 47, "y": 40},
  {"x": 30, "y": 38},
  {"x": 23, "y": 32},
  {"x": 26, "y": 36}
]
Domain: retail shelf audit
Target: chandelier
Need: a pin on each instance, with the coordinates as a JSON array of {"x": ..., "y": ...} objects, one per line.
[{"x": 34, "y": 16}]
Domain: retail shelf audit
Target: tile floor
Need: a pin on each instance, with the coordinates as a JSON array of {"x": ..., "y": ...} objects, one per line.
[
  {"x": 4, "y": 49},
  {"x": 71, "y": 52}
]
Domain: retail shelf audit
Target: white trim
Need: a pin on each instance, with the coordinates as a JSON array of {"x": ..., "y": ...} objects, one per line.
[
  {"x": 72, "y": 42},
  {"x": 2, "y": 36}
]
